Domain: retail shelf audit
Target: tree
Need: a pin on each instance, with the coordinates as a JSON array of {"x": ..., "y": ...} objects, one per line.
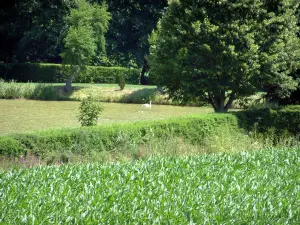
[
  {"x": 32, "y": 30},
  {"x": 131, "y": 24},
  {"x": 218, "y": 51},
  {"x": 85, "y": 37}
]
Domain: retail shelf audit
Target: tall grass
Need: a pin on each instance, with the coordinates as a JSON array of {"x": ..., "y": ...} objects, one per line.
[
  {"x": 220, "y": 140},
  {"x": 100, "y": 92},
  {"x": 38, "y": 91}
]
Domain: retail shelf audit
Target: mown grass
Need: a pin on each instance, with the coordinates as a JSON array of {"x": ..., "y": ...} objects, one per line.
[
  {"x": 18, "y": 116},
  {"x": 260, "y": 187}
]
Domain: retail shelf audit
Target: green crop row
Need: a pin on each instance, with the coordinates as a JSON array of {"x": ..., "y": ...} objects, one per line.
[
  {"x": 260, "y": 187},
  {"x": 56, "y": 73}
]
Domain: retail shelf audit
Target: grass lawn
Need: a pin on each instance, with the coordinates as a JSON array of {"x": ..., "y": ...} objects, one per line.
[{"x": 30, "y": 115}]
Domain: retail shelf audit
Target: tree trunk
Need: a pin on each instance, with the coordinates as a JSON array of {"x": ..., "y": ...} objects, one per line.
[
  {"x": 68, "y": 86},
  {"x": 218, "y": 101},
  {"x": 145, "y": 69}
]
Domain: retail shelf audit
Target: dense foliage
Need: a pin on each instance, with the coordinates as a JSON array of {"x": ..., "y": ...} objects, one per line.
[
  {"x": 260, "y": 187},
  {"x": 89, "y": 111},
  {"x": 218, "y": 51},
  {"x": 33, "y": 31},
  {"x": 55, "y": 73},
  {"x": 84, "y": 38},
  {"x": 10, "y": 147},
  {"x": 281, "y": 119}
]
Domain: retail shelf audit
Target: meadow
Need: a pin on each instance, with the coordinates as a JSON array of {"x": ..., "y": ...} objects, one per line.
[
  {"x": 258, "y": 187},
  {"x": 18, "y": 116}
]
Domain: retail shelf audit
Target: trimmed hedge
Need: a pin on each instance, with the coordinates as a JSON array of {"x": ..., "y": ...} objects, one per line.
[
  {"x": 193, "y": 129},
  {"x": 109, "y": 137},
  {"x": 282, "y": 119},
  {"x": 55, "y": 73}
]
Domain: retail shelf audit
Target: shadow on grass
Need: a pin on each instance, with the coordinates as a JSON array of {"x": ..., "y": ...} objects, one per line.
[
  {"x": 140, "y": 96},
  {"x": 52, "y": 92}
]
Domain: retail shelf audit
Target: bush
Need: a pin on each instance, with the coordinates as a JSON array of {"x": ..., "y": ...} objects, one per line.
[
  {"x": 36, "y": 72},
  {"x": 121, "y": 81},
  {"x": 48, "y": 73},
  {"x": 89, "y": 112},
  {"x": 10, "y": 147},
  {"x": 281, "y": 119}
]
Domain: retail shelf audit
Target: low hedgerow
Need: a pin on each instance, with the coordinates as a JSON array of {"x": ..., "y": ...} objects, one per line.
[
  {"x": 37, "y": 91},
  {"x": 110, "y": 137},
  {"x": 11, "y": 147},
  {"x": 56, "y": 73},
  {"x": 281, "y": 119}
]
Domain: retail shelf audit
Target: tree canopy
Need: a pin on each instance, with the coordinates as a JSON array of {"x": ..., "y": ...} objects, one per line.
[
  {"x": 85, "y": 36},
  {"x": 33, "y": 30},
  {"x": 218, "y": 51}
]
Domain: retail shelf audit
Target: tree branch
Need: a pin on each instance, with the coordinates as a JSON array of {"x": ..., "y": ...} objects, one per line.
[{"x": 231, "y": 98}]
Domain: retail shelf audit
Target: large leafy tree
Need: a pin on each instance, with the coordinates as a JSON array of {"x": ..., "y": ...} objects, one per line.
[
  {"x": 85, "y": 37},
  {"x": 218, "y": 51},
  {"x": 32, "y": 30},
  {"x": 131, "y": 24}
]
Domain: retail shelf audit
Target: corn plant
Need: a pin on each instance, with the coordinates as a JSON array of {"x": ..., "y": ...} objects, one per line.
[{"x": 260, "y": 187}]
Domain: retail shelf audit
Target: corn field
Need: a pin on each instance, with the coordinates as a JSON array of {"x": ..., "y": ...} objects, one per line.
[{"x": 259, "y": 187}]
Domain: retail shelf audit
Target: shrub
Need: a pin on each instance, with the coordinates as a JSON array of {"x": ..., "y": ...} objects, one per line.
[
  {"x": 121, "y": 81},
  {"x": 281, "y": 119},
  {"x": 89, "y": 112},
  {"x": 48, "y": 73},
  {"x": 36, "y": 72},
  {"x": 10, "y": 147}
]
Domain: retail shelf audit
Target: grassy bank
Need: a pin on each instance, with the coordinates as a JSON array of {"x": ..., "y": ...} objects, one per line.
[
  {"x": 260, "y": 187},
  {"x": 112, "y": 136},
  {"x": 100, "y": 92},
  {"x": 207, "y": 133}
]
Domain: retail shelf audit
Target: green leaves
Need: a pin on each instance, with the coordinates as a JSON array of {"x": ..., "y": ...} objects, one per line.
[
  {"x": 247, "y": 188},
  {"x": 206, "y": 49},
  {"x": 85, "y": 36},
  {"x": 89, "y": 111}
]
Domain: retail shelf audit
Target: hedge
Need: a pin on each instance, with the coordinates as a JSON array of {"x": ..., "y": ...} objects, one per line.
[
  {"x": 108, "y": 137},
  {"x": 286, "y": 118},
  {"x": 193, "y": 129},
  {"x": 55, "y": 73}
]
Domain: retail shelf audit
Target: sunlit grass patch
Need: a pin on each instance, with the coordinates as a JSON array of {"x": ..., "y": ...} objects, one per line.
[{"x": 26, "y": 115}]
